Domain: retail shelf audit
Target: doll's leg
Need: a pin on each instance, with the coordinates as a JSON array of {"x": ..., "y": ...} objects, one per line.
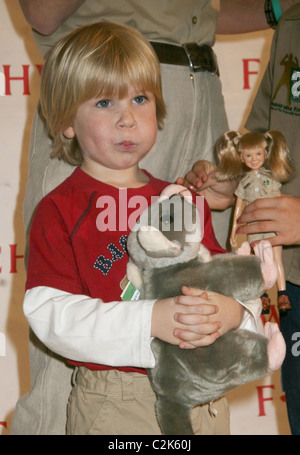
[{"x": 283, "y": 301}]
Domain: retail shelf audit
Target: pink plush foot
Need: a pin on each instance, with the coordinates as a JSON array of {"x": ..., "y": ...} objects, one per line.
[
  {"x": 244, "y": 249},
  {"x": 264, "y": 251},
  {"x": 276, "y": 346}
]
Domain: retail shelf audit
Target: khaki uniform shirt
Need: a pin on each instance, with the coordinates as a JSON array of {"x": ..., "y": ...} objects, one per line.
[
  {"x": 174, "y": 22},
  {"x": 277, "y": 107}
]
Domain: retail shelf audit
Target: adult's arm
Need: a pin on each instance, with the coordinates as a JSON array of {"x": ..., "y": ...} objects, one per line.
[
  {"x": 243, "y": 16},
  {"x": 236, "y": 16},
  {"x": 45, "y": 16}
]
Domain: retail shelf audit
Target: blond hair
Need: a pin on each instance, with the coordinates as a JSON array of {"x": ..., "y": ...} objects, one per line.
[
  {"x": 229, "y": 147},
  {"x": 103, "y": 58}
]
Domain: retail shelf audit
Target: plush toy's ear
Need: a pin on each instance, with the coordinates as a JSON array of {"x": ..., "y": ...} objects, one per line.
[
  {"x": 134, "y": 275},
  {"x": 269, "y": 268},
  {"x": 173, "y": 189}
]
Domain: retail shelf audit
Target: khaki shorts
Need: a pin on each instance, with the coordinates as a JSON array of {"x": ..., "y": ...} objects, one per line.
[
  {"x": 114, "y": 402},
  {"x": 261, "y": 236}
]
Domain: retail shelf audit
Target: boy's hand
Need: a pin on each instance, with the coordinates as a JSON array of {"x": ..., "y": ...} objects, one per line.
[
  {"x": 195, "y": 318},
  {"x": 185, "y": 320}
]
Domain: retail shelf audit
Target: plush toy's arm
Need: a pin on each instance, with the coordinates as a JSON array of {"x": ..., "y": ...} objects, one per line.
[
  {"x": 134, "y": 275},
  {"x": 204, "y": 254}
]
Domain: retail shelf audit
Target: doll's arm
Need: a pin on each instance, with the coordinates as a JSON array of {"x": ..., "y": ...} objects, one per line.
[{"x": 237, "y": 213}]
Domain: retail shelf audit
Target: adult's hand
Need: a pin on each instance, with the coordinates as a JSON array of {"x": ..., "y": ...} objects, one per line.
[
  {"x": 201, "y": 178},
  {"x": 280, "y": 215}
]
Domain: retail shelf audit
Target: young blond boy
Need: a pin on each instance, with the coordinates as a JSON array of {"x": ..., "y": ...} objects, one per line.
[{"x": 102, "y": 103}]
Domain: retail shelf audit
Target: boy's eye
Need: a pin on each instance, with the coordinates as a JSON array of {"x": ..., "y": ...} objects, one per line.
[
  {"x": 139, "y": 99},
  {"x": 103, "y": 103}
]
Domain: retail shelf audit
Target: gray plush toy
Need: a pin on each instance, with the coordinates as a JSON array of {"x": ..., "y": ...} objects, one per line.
[{"x": 165, "y": 253}]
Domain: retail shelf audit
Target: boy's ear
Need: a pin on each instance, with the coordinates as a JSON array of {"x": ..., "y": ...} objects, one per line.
[{"x": 69, "y": 132}]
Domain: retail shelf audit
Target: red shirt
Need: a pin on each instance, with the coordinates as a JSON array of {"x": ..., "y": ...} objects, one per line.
[{"x": 71, "y": 251}]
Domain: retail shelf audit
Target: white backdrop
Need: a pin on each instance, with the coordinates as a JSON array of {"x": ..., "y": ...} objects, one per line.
[{"x": 257, "y": 408}]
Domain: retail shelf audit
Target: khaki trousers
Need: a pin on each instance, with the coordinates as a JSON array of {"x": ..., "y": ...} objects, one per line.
[{"x": 117, "y": 403}]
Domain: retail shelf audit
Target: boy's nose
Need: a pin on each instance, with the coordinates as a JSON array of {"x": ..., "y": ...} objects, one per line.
[{"x": 127, "y": 119}]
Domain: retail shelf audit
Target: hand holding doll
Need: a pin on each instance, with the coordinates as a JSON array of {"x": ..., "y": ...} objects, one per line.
[{"x": 261, "y": 163}]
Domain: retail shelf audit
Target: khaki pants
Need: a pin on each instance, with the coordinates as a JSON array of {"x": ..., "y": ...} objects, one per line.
[{"x": 113, "y": 402}]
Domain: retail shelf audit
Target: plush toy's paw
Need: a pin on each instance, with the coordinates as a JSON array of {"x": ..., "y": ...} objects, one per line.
[
  {"x": 276, "y": 346},
  {"x": 204, "y": 254},
  {"x": 244, "y": 249},
  {"x": 134, "y": 275},
  {"x": 268, "y": 266}
]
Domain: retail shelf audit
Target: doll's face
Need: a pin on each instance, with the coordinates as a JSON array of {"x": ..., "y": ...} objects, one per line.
[{"x": 255, "y": 158}]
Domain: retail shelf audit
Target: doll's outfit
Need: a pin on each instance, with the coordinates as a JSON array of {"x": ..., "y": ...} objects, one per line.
[
  {"x": 196, "y": 118},
  {"x": 255, "y": 186},
  {"x": 277, "y": 107},
  {"x": 76, "y": 266}
]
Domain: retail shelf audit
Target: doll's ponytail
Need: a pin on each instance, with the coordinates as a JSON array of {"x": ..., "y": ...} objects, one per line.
[
  {"x": 229, "y": 165},
  {"x": 278, "y": 159}
]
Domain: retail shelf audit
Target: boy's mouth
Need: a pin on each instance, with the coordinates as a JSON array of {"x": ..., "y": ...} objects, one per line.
[{"x": 127, "y": 145}]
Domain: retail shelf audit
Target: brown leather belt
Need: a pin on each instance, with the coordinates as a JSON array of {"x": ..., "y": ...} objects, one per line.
[{"x": 198, "y": 58}]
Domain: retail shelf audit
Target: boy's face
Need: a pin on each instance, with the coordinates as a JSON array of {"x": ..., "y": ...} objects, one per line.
[{"x": 115, "y": 133}]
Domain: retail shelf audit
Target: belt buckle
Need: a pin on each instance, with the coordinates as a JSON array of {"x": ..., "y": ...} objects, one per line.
[{"x": 201, "y": 58}]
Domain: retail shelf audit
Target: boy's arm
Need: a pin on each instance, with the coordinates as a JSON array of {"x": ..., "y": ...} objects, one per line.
[
  {"x": 116, "y": 333},
  {"x": 119, "y": 333},
  {"x": 84, "y": 329}
]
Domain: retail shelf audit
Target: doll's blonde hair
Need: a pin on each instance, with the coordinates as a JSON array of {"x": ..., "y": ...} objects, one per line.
[
  {"x": 99, "y": 59},
  {"x": 229, "y": 147}
]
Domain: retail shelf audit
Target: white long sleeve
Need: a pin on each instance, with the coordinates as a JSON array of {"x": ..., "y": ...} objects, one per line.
[
  {"x": 80, "y": 328},
  {"x": 251, "y": 318}
]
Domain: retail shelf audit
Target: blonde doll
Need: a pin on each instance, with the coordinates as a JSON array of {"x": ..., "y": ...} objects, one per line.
[{"x": 260, "y": 163}]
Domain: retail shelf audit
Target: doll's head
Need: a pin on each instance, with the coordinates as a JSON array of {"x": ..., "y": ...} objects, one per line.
[
  {"x": 237, "y": 154},
  {"x": 102, "y": 58}
]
